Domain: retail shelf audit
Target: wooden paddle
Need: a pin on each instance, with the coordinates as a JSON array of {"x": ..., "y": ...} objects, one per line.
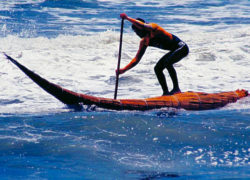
[{"x": 119, "y": 60}]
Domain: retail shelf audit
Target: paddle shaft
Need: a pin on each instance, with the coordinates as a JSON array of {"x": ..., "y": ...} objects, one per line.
[{"x": 119, "y": 60}]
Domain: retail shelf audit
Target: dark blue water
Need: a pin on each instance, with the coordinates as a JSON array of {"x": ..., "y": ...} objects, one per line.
[
  {"x": 122, "y": 145},
  {"x": 73, "y": 43},
  {"x": 50, "y": 18}
]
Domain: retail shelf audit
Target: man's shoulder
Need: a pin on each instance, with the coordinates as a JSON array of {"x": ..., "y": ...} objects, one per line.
[{"x": 154, "y": 25}]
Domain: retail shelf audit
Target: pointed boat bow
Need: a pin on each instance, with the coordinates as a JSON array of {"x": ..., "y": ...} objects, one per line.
[{"x": 186, "y": 100}]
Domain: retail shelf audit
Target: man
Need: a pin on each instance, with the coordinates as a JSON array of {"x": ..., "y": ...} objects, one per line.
[{"x": 153, "y": 35}]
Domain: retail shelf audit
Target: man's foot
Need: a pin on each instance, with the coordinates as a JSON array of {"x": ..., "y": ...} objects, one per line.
[
  {"x": 175, "y": 91},
  {"x": 166, "y": 93}
]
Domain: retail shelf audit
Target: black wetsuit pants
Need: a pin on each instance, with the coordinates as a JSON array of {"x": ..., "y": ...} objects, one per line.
[{"x": 167, "y": 62}]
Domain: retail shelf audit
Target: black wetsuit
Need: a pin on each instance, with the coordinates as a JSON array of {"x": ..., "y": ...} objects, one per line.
[{"x": 178, "y": 50}]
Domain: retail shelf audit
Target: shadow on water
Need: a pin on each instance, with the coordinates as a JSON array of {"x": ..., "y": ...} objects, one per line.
[
  {"x": 7, "y": 101},
  {"x": 150, "y": 175},
  {"x": 161, "y": 113}
]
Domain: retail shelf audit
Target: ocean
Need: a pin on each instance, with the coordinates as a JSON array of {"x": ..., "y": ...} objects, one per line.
[{"x": 75, "y": 43}]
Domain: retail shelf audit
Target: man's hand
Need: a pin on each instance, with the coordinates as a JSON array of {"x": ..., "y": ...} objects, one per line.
[
  {"x": 121, "y": 71},
  {"x": 123, "y": 16}
]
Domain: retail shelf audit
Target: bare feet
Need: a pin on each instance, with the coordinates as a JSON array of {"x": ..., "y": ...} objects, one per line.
[
  {"x": 166, "y": 93},
  {"x": 175, "y": 91}
]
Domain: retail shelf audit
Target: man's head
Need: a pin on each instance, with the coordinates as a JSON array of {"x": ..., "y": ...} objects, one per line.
[{"x": 140, "y": 32}]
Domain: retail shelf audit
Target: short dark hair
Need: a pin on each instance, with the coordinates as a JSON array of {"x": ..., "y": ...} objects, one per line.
[{"x": 140, "y": 32}]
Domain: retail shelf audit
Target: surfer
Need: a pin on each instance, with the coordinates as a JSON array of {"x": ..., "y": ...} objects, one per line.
[{"x": 153, "y": 35}]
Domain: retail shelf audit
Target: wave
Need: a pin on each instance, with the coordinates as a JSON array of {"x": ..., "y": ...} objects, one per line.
[{"x": 218, "y": 61}]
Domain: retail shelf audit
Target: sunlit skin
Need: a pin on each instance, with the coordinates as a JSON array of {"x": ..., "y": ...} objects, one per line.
[{"x": 156, "y": 36}]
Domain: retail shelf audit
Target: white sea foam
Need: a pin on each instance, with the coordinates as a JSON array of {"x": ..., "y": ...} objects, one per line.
[
  {"x": 218, "y": 61},
  {"x": 146, "y": 3},
  {"x": 12, "y": 3}
]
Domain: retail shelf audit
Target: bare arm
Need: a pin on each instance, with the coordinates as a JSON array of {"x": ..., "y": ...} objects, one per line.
[
  {"x": 136, "y": 59},
  {"x": 137, "y": 23}
]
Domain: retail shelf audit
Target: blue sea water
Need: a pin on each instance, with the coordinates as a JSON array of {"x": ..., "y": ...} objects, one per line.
[{"x": 74, "y": 43}]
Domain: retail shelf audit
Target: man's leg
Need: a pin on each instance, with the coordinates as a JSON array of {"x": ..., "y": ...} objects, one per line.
[
  {"x": 167, "y": 61},
  {"x": 175, "y": 57},
  {"x": 159, "y": 67},
  {"x": 174, "y": 79}
]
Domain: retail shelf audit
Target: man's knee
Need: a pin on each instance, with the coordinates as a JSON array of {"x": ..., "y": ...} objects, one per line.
[{"x": 158, "y": 69}]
